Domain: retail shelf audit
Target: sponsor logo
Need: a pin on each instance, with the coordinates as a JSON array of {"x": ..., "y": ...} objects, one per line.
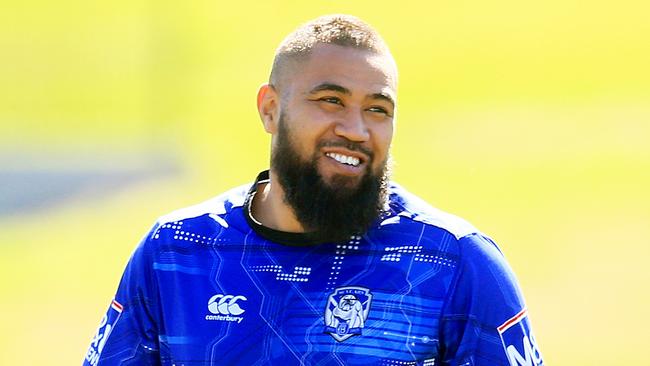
[
  {"x": 103, "y": 331},
  {"x": 346, "y": 312},
  {"x": 225, "y": 308},
  {"x": 519, "y": 342}
]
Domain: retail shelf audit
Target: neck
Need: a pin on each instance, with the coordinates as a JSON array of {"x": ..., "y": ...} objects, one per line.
[{"x": 269, "y": 207}]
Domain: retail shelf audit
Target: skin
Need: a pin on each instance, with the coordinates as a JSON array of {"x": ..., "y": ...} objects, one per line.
[{"x": 337, "y": 95}]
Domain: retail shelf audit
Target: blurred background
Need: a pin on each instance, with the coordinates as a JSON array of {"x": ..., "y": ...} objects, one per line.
[{"x": 529, "y": 119}]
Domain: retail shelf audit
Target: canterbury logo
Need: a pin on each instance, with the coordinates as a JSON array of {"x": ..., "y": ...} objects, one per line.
[{"x": 226, "y": 304}]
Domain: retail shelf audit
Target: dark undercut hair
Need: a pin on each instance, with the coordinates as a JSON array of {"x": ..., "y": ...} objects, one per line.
[{"x": 337, "y": 29}]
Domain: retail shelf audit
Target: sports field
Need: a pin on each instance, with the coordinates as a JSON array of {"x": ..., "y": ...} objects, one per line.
[{"x": 529, "y": 119}]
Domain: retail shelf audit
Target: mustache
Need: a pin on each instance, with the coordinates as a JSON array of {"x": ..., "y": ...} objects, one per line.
[{"x": 349, "y": 145}]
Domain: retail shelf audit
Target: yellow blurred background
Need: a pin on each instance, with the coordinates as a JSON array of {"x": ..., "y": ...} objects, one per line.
[{"x": 530, "y": 119}]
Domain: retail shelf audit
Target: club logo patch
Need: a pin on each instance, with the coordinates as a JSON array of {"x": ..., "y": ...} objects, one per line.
[{"x": 346, "y": 312}]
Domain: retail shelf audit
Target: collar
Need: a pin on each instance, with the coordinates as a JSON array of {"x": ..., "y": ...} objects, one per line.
[{"x": 281, "y": 237}]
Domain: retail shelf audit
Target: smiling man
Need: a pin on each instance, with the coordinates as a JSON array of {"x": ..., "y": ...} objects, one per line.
[
  {"x": 331, "y": 116},
  {"x": 322, "y": 260}
]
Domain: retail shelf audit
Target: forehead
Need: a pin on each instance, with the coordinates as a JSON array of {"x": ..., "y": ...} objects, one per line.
[{"x": 355, "y": 69}]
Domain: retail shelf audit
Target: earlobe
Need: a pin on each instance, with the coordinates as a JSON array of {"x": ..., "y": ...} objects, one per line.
[{"x": 267, "y": 106}]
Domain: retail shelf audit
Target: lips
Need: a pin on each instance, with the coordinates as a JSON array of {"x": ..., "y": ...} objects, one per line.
[{"x": 348, "y": 158}]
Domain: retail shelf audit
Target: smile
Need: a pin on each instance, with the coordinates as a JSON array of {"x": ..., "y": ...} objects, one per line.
[{"x": 344, "y": 159}]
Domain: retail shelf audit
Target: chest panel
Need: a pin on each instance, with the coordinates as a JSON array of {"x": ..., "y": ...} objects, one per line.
[{"x": 262, "y": 303}]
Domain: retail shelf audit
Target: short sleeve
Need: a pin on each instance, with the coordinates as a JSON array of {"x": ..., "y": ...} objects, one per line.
[
  {"x": 128, "y": 332},
  {"x": 485, "y": 321}
]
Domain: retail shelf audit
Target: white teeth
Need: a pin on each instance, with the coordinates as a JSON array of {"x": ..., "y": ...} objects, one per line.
[{"x": 344, "y": 159}]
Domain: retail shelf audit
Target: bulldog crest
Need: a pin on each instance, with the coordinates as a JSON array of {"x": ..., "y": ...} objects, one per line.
[{"x": 346, "y": 312}]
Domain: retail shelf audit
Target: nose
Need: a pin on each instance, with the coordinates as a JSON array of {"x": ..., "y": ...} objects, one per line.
[{"x": 352, "y": 127}]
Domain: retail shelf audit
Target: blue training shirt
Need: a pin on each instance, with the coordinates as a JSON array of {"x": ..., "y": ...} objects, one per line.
[{"x": 210, "y": 286}]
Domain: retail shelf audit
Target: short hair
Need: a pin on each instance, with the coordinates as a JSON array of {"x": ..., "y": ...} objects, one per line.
[{"x": 338, "y": 29}]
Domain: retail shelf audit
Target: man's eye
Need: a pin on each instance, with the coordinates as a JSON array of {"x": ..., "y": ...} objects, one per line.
[
  {"x": 332, "y": 100},
  {"x": 378, "y": 110}
]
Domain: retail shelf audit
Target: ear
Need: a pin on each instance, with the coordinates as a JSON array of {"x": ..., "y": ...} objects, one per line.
[{"x": 268, "y": 106}]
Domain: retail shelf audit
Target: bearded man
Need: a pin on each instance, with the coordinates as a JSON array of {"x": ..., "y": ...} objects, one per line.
[{"x": 257, "y": 274}]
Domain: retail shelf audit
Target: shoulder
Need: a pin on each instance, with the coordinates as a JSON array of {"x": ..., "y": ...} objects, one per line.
[
  {"x": 444, "y": 231},
  {"x": 202, "y": 220},
  {"x": 482, "y": 297},
  {"x": 404, "y": 204},
  {"x": 219, "y": 205}
]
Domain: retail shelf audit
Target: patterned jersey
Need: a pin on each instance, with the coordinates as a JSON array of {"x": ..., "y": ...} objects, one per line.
[{"x": 210, "y": 286}]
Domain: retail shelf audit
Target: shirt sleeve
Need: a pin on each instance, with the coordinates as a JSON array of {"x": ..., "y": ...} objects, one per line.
[
  {"x": 484, "y": 320},
  {"x": 128, "y": 332}
]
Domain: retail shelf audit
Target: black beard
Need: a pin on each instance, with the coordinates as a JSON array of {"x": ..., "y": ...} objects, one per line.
[{"x": 330, "y": 212}]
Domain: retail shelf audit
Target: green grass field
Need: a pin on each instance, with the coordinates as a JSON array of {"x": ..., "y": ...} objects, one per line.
[{"x": 531, "y": 120}]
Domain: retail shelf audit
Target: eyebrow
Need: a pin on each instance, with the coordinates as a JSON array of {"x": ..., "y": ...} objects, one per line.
[
  {"x": 343, "y": 90},
  {"x": 330, "y": 87},
  {"x": 383, "y": 96}
]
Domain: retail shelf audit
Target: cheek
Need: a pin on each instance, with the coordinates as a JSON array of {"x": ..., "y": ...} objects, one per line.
[
  {"x": 307, "y": 120},
  {"x": 383, "y": 137},
  {"x": 309, "y": 134},
  {"x": 305, "y": 142}
]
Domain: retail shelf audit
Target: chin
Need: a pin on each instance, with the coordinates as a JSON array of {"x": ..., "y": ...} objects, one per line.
[{"x": 336, "y": 180}]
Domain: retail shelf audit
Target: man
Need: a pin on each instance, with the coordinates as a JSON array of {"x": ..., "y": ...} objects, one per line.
[{"x": 322, "y": 260}]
